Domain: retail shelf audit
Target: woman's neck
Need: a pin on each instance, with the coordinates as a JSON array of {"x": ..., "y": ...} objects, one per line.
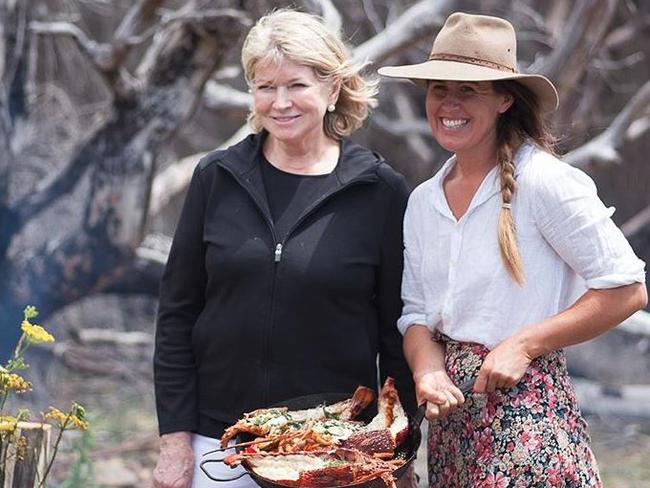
[
  {"x": 306, "y": 157},
  {"x": 474, "y": 167}
]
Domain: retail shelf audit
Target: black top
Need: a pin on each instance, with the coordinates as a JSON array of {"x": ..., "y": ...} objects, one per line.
[
  {"x": 248, "y": 319},
  {"x": 289, "y": 194}
]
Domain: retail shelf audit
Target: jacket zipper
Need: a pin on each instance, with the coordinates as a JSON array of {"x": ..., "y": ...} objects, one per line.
[
  {"x": 266, "y": 382},
  {"x": 278, "y": 252}
]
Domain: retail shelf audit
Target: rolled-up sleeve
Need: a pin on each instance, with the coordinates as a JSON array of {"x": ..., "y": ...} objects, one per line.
[
  {"x": 413, "y": 311},
  {"x": 578, "y": 226}
]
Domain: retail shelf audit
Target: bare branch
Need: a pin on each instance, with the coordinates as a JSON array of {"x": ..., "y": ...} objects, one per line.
[
  {"x": 328, "y": 12},
  {"x": 7, "y": 223},
  {"x": 604, "y": 148},
  {"x": 583, "y": 34},
  {"x": 638, "y": 323},
  {"x": 225, "y": 98},
  {"x": 108, "y": 58},
  {"x": 415, "y": 141},
  {"x": 194, "y": 75},
  {"x": 114, "y": 337},
  {"x": 371, "y": 14},
  {"x": 415, "y": 23},
  {"x": 401, "y": 128},
  {"x": 94, "y": 51},
  {"x": 625, "y": 34},
  {"x": 637, "y": 223},
  {"x": 174, "y": 179},
  {"x": 136, "y": 21},
  {"x": 203, "y": 20},
  {"x": 14, "y": 18}
]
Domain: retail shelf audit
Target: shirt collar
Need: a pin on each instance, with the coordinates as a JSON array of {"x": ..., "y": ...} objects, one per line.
[{"x": 489, "y": 187}]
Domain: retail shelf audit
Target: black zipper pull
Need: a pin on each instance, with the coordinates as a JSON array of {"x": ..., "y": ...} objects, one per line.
[{"x": 278, "y": 252}]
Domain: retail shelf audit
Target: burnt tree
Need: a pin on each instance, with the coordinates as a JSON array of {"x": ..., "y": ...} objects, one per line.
[{"x": 119, "y": 158}]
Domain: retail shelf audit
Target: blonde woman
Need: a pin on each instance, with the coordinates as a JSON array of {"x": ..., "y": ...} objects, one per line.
[
  {"x": 495, "y": 244},
  {"x": 284, "y": 275}
]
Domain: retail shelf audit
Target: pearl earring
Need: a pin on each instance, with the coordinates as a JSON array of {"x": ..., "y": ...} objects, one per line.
[{"x": 331, "y": 107}]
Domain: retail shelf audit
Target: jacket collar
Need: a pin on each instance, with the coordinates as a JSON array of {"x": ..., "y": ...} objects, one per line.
[
  {"x": 354, "y": 161},
  {"x": 243, "y": 161}
]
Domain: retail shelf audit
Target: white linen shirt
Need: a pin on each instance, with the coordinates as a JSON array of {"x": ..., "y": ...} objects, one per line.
[{"x": 454, "y": 279}]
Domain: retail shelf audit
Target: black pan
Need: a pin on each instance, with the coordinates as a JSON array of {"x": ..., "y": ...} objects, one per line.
[{"x": 407, "y": 450}]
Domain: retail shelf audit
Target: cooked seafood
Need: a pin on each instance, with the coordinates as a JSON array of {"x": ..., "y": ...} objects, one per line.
[
  {"x": 317, "y": 469},
  {"x": 324, "y": 446},
  {"x": 386, "y": 430},
  {"x": 274, "y": 421}
]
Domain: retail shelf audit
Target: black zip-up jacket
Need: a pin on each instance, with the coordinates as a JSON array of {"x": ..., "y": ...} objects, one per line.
[{"x": 247, "y": 320}]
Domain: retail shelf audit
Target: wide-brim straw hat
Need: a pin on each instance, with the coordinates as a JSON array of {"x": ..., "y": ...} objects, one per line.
[{"x": 476, "y": 48}]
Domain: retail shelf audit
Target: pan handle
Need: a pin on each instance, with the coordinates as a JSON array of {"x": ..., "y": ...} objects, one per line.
[
  {"x": 465, "y": 387},
  {"x": 205, "y": 471}
]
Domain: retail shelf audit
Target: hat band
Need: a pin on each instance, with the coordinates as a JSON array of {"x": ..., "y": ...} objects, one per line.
[{"x": 470, "y": 60}]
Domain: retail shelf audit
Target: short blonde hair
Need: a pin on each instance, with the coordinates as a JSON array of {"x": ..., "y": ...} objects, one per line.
[{"x": 304, "y": 39}]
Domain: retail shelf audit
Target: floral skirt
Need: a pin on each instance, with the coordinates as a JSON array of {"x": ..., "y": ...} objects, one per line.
[{"x": 531, "y": 435}]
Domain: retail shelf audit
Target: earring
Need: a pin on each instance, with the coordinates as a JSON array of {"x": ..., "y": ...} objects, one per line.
[{"x": 331, "y": 107}]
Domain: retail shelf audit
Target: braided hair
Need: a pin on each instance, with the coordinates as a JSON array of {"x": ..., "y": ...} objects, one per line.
[{"x": 523, "y": 120}]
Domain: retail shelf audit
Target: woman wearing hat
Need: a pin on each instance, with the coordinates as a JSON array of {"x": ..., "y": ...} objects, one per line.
[{"x": 495, "y": 244}]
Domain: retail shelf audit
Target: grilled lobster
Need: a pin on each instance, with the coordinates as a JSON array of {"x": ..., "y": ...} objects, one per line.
[
  {"x": 273, "y": 421},
  {"x": 316, "y": 469}
]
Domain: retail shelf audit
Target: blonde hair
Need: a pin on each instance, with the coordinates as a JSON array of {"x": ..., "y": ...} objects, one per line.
[
  {"x": 523, "y": 120},
  {"x": 303, "y": 38}
]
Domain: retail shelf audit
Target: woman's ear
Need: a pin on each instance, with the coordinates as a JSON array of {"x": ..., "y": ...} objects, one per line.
[
  {"x": 335, "y": 90},
  {"x": 507, "y": 102}
]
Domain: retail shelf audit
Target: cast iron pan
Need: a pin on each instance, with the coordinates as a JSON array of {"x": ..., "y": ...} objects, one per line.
[{"x": 407, "y": 450}]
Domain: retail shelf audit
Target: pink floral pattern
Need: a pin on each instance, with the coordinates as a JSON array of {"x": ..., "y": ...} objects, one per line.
[{"x": 531, "y": 435}]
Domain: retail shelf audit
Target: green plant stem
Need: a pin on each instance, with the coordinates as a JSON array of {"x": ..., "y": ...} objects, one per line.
[
  {"x": 5, "y": 395},
  {"x": 54, "y": 450},
  {"x": 17, "y": 351},
  {"x": 3, "y": 459}
]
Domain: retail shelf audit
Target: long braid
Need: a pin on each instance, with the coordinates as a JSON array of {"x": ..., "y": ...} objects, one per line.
[
  {"x": 506, "y": 232},
  {"x": 522, "y": 121}
]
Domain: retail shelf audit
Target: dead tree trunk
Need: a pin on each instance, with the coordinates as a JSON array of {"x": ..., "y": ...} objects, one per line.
[{"x": 120, "y": 161}]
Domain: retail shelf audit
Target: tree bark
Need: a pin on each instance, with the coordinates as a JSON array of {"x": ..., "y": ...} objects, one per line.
[{"x": 121, "y": 163}]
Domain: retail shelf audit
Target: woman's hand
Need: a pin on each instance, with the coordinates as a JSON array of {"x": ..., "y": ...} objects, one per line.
[
  {"x": 440, "y": 393},
  {"x": 503, "y": 367},
  {"x": 175, "y": 466}
]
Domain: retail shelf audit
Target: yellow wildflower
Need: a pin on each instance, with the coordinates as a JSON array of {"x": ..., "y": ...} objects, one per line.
[
  {"x": 12, "y": 381},
  {"x": 35, "y": 333},
  {"x": 30, "y": 312},
  {"x": 8, "y": 423},
  {"x": 72, "y": 420}
]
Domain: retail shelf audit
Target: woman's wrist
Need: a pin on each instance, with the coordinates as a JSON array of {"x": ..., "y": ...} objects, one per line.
[
  {"x": 530, "y": 343},
  {"x": 175, "y": 439},
  {"x": 419, "y": 374}
]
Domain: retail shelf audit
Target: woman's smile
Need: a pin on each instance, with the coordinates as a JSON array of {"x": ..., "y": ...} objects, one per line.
[
  {"x": 454, "y": 123},
  {"x": 284, "y": 119}
]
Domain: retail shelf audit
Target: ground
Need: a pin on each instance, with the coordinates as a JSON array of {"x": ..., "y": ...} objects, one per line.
[{"x": 120, "y": 449}]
